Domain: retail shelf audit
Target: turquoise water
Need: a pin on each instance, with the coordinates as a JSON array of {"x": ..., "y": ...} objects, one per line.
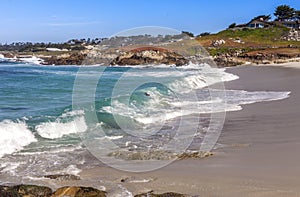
[
  {"x": 136, "y": 108},
  {"x": 28, "y": 90}
]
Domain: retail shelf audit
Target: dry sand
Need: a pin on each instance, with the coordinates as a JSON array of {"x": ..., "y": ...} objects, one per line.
[{"x": 261, "y": 157}]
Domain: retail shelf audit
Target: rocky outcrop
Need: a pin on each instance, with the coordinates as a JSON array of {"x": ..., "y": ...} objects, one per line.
[
  {"x": 69, "y": 191},
  {"x": 270, "y": 57},
  {"x": 63, "y": 177},
  {"x": 158, "y": 155},
  {"x": 293, "y": 35},
  {"x": 68, "y": 59},
  {"x": 41, "y": 191},
  {"x": 78, "y": 192},
  {"x": 227, "y": 61},
  {"x": 150, "y": 55},
  {"x": 259, "y": 56},
  {"x": 194, "y": 155},
  {"x": 217, "y": 43},
  {"x": 25, "y": 190}
]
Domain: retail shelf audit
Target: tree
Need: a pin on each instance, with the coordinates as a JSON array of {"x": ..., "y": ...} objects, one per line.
[
  {"x": 297, "y": 15},
  {"x": 88, "y": 41},
  {"x": 284, "y": 12},
  {"x": 204, "y": 34},
  {"x": 263, "y": 17},
  {"x": 232, "y": 26},
  {"x": 188, "y": 33}
]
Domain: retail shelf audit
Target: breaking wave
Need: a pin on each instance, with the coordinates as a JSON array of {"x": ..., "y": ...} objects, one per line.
[{"x": 14, "y": 136}]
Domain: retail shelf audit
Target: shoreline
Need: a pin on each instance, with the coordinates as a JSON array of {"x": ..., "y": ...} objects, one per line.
[
  {"x": 290, "y": 62},
  {"x": 259, "y": 156},
  {"x": 89, "y": 57},
  {"x": 260, "y": 141}
]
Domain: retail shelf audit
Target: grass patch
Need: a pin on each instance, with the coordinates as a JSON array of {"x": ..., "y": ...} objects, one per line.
[{"x": 252, "y": 38}]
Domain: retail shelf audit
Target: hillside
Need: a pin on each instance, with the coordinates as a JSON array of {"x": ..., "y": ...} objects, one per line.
[
  {"x": 229, "y": 47},
  {"x": 263, "y": 45}
]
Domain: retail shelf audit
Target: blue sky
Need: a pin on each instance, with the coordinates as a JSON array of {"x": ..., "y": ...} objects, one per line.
[{"x": 61, "y": 20}]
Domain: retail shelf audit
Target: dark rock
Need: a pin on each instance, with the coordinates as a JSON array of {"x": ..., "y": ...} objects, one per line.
[
  {"x": 78, "y": 192},
  {"x": 72, "y": 59},
  {"x": 169, "y": 194},
  {"x": 123, "y": 180},
  {"x": 227, "y": 61},
  {"x": 25, "y": 190},
  {"x": 195, "y": 155},
  {"x": 63, "y": 177},
  {"x": 150, "y": 55},
  {"x": 8, "y": 191},
  {"x": 158, "y": 155}
]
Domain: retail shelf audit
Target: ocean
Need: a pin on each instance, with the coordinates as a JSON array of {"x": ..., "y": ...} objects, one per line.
[{"x": 62, "y": 119}]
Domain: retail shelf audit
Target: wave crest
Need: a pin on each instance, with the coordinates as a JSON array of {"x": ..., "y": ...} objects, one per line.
[{"x": 14, "y": 136}]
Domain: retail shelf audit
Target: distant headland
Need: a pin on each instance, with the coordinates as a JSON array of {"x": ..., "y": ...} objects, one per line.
[{"x": 259, "y": 41}]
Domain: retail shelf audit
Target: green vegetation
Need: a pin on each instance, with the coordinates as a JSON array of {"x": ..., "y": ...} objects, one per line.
[
  {"x": 262, "y": 37},
  {"x": 204, "y": 34},
  {"x": 232, "y": 26},
  {"x": 71, "y": 45},
  {"x": 258, "y": 36},
  {"x": 297, "y": 14},
  {"x": 221, "y": 50},
  {"x": 188, "y": 33},
  {"x": 246, "y": 40},
  {"x": 243, "y": 39}
]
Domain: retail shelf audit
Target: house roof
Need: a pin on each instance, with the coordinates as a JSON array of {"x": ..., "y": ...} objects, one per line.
[
  {"x": 271, "y": 23},
  {"x": 260, "y": 21},
  {"x": 254, "y": 21}
]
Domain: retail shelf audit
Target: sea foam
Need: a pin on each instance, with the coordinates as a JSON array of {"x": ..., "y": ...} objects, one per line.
[
  {"x": 57, "y": 129},
  {"x": 14, "y": 136}
]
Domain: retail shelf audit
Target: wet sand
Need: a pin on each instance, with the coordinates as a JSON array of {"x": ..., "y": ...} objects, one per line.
[{"x": 260, "y": 157}]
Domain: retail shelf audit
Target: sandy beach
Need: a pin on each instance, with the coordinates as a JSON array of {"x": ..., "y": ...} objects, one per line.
[
  {"x": 150, "y": 98},
  {"x": 260, "y": 153}
]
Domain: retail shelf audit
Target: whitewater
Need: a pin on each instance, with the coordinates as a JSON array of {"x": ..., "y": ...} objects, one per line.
[{"x": 39, "y": 125}]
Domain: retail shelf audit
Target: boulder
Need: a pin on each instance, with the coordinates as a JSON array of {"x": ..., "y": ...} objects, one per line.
[
  {"x": 25, "y": 190},
  {"x": 78, "y": 192},
  {"x": 217, "y": 43}
]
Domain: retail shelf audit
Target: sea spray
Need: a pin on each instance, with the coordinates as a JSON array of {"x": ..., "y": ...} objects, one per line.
[
  {"x": 70, "y": 122},
  {"x": 14, "y": 136}
]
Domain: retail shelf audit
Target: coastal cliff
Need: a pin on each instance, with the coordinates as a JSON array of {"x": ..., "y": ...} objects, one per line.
[{"x": 150, "y": 55}]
